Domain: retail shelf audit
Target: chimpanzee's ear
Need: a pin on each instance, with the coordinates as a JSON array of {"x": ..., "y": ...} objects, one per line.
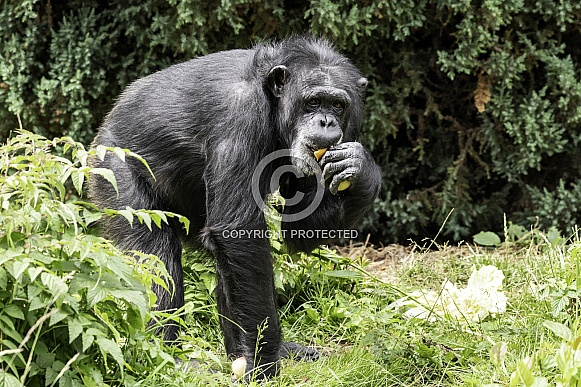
[
  {"x": 278, "y": 77},
  {"x": 362, "y": 82}
]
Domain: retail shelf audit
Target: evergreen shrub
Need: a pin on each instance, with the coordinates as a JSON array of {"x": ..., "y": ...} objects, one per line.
[{"x": 473, "y": 105}]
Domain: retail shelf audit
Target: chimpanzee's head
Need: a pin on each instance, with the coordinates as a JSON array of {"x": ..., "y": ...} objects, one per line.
[{"x": 319, "y": 95}]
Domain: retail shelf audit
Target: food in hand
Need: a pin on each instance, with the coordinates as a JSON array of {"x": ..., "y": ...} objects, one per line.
[
  {"x": 344, "y": 185},
  {"x": 319, "y": 153}
]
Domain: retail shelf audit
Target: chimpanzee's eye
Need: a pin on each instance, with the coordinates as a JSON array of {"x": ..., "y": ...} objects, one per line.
[
  {"x": 314, "y": 102},
  {"x": 339, "y": 105}
]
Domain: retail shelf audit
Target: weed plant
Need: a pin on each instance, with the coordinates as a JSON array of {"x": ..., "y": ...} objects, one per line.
[{"x": 74, "y": 311}]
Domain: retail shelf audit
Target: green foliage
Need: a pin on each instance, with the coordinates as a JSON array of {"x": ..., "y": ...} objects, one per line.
[
  {"x": 517, "y": 235},
  {"x": 487, "y": 238},
  {"x": 292, "y": 272},
  {"x": 515, "y": 60},
  {"x": 472, "y": 105},
  {"x": 535, "y": 342},
  {"x": 73, "y": 309},
  {"x": 557, "y": 362}
]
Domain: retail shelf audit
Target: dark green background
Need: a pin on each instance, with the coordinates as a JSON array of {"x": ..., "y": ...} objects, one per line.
[{"x": 63, "y": 63}]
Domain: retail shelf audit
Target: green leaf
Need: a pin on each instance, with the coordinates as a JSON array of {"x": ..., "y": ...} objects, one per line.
[
  {"x": 553, "y": 234},
  {"x": 8, "y": 330},
  {"x": 61, "y": 188},
  {"x": 156, "y": 219},
  {"x": 540, "y": 381},
  {"x": 78, "y": 178},
  {"x": 13, "y": 311},
  {"x": 37, "y": 303},
  {"x": 82, "y": 281},
  {"x": 134, "y": 319},
  {"x": 487, "y": 238},
  {"x": 75, "y": 329},
  {"x": 185, "y": 222},
  {"x": 57, "y": 317},
  {"x": 55, "y": 284},
  {"x": 9, "y": 380},
  {"x": 516, "y": 231},
  {"x": 120, "y": 153},
  {"x": 559, "y": 330},
  {"x": 210, "y": 281},
  {"x": 524, "y": 371},
  {"x": 559, "y": 304},
  {"x": 142, "y": 160},
  {"x": 349, "y": 274},
  {"x": 276, "y": 245},
  {"x": 18, "y": 268},
  {"x": 120, "y": 268},
  {"x": 91, "y": 217},
  {"x": 108, "y": 175},
  {"x": 127, "y": 214},
  {"x": 101, "y": 152},
  {"x": 144, "y": 218},
  {"x": 13, "y": 239},
  {"x": 96, "y": 294},
  {"x": 110, "y": 347},
  {"x": 162, "y": 215},
  {"x": 33, "y": 272},
  {"x": 135, "y": 298},
  {"x": 311, "y": 312},
  {"x": 87, "y": 340},
  {"x": 45, "y": 359},
  {"x": 3, "y": 278}
]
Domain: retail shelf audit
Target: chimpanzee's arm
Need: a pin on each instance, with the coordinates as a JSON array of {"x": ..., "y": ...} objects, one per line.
[{"x": 338, "y": 210}]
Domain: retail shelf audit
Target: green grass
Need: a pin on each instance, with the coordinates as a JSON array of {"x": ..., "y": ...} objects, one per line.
[
  {"x": 73, "y": 309},
  {"x": 365, "y": 341}
]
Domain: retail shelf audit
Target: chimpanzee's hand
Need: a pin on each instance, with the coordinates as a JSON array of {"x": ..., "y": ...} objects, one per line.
[{"x": 346, "y": 161}]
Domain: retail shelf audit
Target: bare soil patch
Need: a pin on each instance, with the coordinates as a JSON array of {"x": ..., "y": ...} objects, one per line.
[{"x": 384, "y": 261}]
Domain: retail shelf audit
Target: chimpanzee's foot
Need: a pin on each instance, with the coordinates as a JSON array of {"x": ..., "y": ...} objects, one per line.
[{"x": 298, "y": 352}]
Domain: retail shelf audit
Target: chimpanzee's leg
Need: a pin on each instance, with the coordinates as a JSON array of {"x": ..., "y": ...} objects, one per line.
[{"x": 245, "y": 298}]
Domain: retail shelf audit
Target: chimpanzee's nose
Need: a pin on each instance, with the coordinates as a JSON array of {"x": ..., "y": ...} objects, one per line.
[
  {"x": 329, "y": 135},
  {"x": 328, "y": 121}
]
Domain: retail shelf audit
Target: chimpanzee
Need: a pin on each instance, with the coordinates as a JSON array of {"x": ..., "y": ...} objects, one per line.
[{"x": 205, "y": 127}]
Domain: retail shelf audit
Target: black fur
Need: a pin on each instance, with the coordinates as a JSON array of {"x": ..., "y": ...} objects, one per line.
[{"x": 203, "y": 126}]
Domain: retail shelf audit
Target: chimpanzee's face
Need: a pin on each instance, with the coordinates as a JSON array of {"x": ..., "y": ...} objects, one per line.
[
  {"x": 319, "y": 125},
  {"x": 313, "y": 110},
  {"x": 321, "y": 110}
]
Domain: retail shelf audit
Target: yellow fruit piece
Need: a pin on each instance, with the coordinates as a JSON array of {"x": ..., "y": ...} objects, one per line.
[
  {"x": 344, "y": 185},
  {"x": 239, "y": 367},
  {"x": 318, "y": 154}
]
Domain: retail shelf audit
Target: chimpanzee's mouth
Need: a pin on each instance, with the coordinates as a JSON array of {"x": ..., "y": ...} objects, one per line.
[{"x": 305, "y": 161}]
